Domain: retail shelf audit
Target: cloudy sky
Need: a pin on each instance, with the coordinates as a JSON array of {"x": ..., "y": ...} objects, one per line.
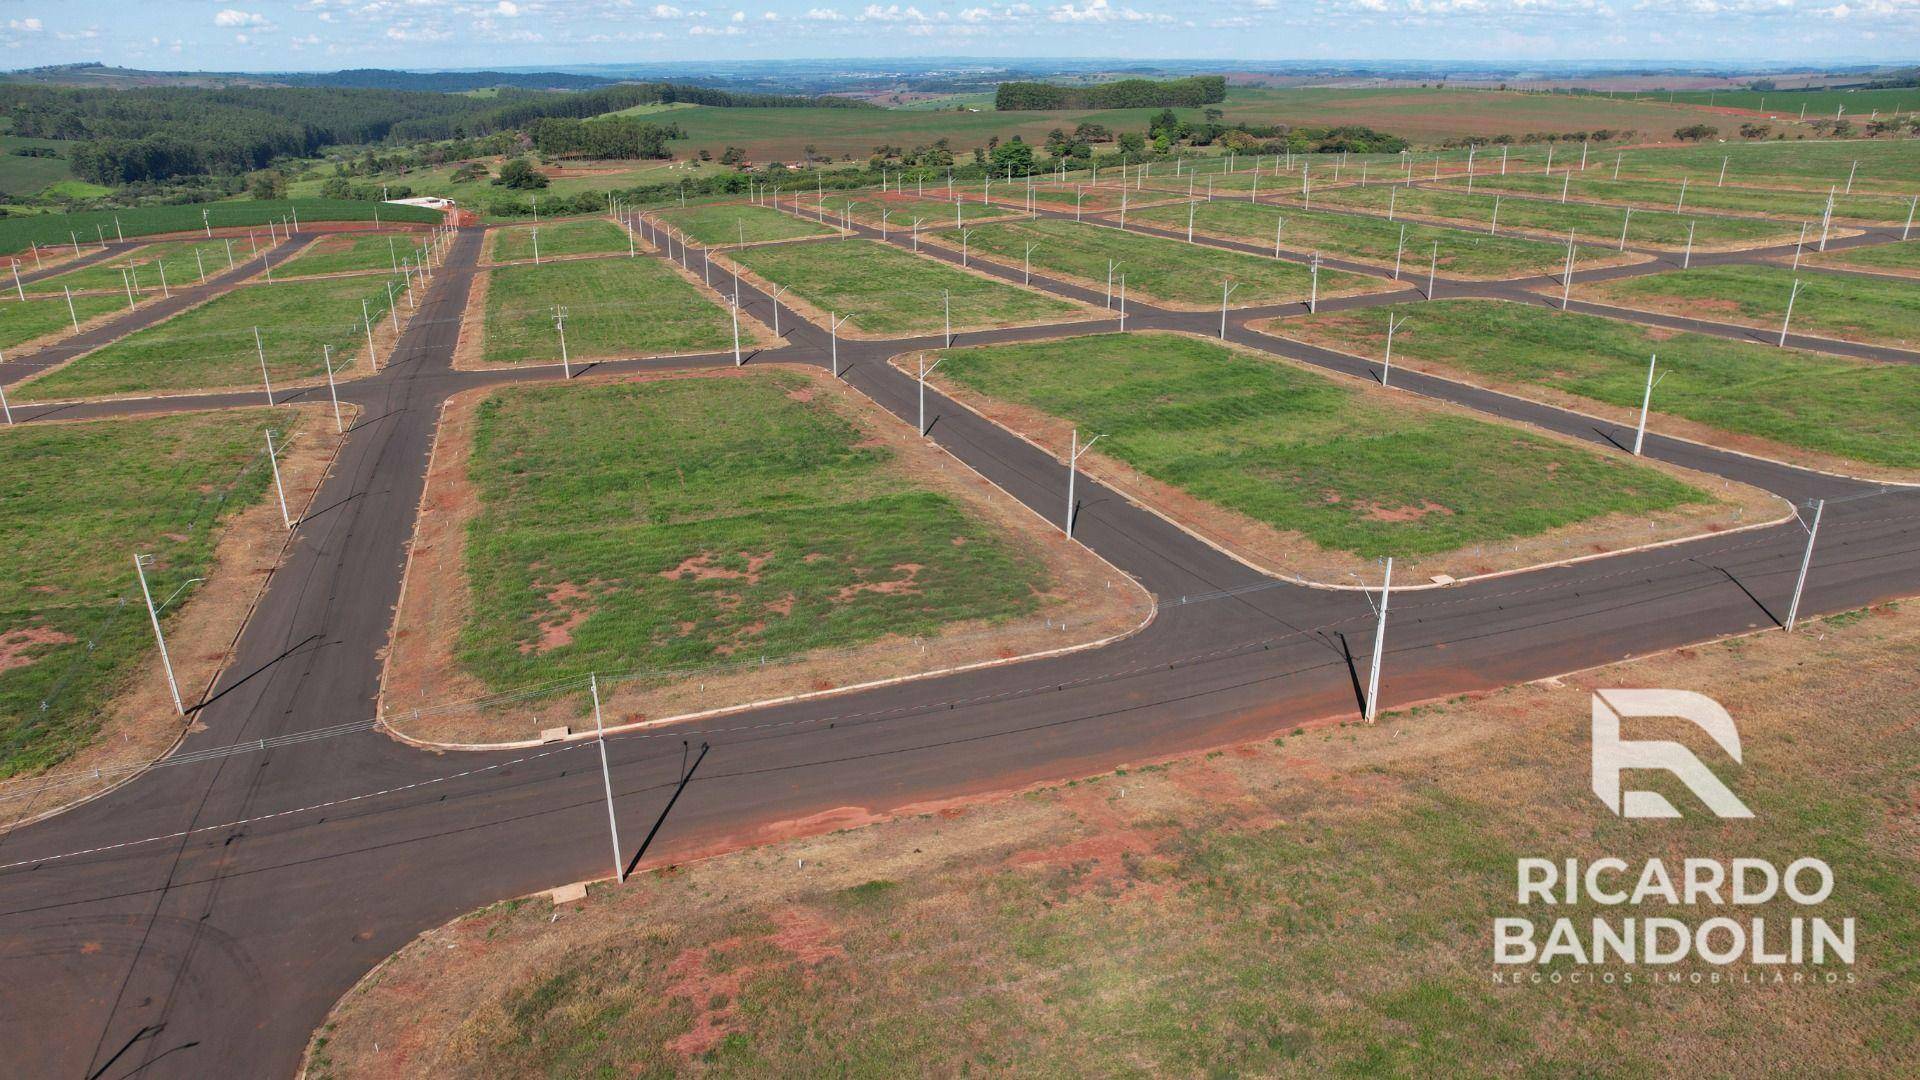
[{"x": 327, "y": 34}]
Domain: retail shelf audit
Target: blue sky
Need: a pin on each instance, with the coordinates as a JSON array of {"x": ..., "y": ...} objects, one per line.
[{"x": 328, "y": 34}]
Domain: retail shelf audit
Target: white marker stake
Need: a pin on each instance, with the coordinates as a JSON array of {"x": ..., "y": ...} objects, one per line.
[
  {"x": 1640, "y": 434},
  {"x": 606, "y": 778},
  {"x": 1379, "y": 643},
  {"x": 260, "y": 350},
  {"x": 273, "y": 459},
  {"x": 339, "y": 427},
  {"x": 1806, "y": 563},
  {"x": 140, "y": 570},
  {"x": 1074, "y": 451}
]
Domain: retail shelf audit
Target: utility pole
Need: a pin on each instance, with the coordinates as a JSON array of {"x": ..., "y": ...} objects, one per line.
[
  {"x": 1800, "y": 244},
  {"x": 924, "y": 372},
  {"x": 273, "y": 459},
  {"x": 1226, "y": 290},
  {"x": 1026, "y": 265},
  {"x": 339, "y": 427},
  {"x": 260, "y": 350},
  {"x": 1788, "y": 321},
  {"x": 1566, "y": 279},
  {"x": 606, "y": 778},
  {"x": 1624, "y": 222},
  {"x": 1686, "y": 260},
  {"x": 733, "y": 306},
  {"x": 1074, "y": 452},
  {"x": 1313, "y": 294},
  {"x": 946, "y": 305},
  {"x": 1397, "y": 251},
  {"x": 1380, "y": 637},
  {"x": 1386, "y": 369},
  {"x": 1433, "y": 268},
  {"x": 560, "y": 324},
  {"x": 1806, "y": 562},
  {"x": 833, "y": 331},
  {"x": 1640, "y": 434},
  {"x": 153, "y": 615}
]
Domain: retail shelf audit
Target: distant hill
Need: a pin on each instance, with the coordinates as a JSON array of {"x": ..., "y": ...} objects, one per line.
[{"x": 93, "y": 75}]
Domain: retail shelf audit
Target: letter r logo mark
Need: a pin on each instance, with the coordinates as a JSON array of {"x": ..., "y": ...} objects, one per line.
[{"x": 1613, "y": 755}]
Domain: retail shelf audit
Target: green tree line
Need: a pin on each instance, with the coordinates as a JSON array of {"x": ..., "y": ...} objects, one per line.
[{"x": 1190, "y": 92}]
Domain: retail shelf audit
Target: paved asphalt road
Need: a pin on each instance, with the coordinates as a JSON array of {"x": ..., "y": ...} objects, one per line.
[{"x": 201, "y": 920}]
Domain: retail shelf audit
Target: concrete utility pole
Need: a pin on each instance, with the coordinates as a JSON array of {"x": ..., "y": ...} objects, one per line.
[
  {"x": 1566, "y": 279},
  {"x": 1074, "y": 452},
  {"x": 1313, "y": 293},
  {"x": 1386, "y": 369},
  {"x": 1686, "y": 260},
  {"x": 71, "y": 314},
  {"x": 833, "y": 333},
  {"x": 1826, "y": 220},
  {"x": 1806, "y": 562},
  {"x": 260, "y": 350},
  {"x": 1226, "y": 290},
  {"x": 1123, "y": 303},
  {"x": 1433, "y": 268},
  {"x": 1800, "y": 244},
  {"x": 1646, "y": 401},
  {"x": 560, "y": 325},
  {"x": 925, "y": 370},
  {"x": 1026, "y": 264},
  {"x": 5, "y": 409},
  {"x": 1379, "y": 643},
  {"x": 1624, "y": 222},
  {"x": 946, "y": 305},
  {"x": 773, "y": 297},
  {"x": 339, "y": 427},
  {"x": 273, "y": 459},
  {"x": 153, "y": 615},
  {"x": 1493, "y": 225},
  {"x": 1279, "y": 227},
  {"x": 1397, "y": 251},
  {"x": 1788, "y": 321},
  {"x": 733, "y": 307},
  {"x": 606, "y": 778}
]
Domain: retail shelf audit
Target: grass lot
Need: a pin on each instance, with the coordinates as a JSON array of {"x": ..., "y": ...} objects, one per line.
[
  {"x": 31, "y": 175},
  {"x": 1850, "y": 307},
  {"x": 894, "y": 292},
  {"x": 213, "y": 345},
  {"x": 902, "y": 209},
  {"x": 1302, "y": 453},
  {"x": 80, "y": 499},
  {"x": 1369, "y": 239},
  {"x": 1900, "y": 256},
  {"x": 1885, "y": 164},
  {"x": 1600, "y": 223},
  {"x": 1853, "y": 409},
  {"x": 1319, "y": 904},
  {"x": 581, "y": 236},
  {"x": 181, "y": 262},
  {"x": 19, "y": 233},
  {"x": 1700, "y": 195},
  {"x": 477, "y": 195},
  {"x": 771, "y": 528},
  {"x": 615, "y": 307},
  {"x": 1156, "y": 269},
  {"x": 350, "y": 252},
  {"x": 36, "y": 318},
  {"x": 738, "y": 223}
]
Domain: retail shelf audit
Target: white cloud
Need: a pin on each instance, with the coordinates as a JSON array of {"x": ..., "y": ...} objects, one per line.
[
  {"x": 1100, "y": 11},
  {"x": 824, "y": 15},
  {"x": 665, "y": 11},
  {"x": 507, "y": 8},
  {"x": 25, "y": 26},
  {"x": 232, "y": 17}
]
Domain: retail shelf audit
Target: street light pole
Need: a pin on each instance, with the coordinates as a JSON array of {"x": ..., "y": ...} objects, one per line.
[
  {"x": 1379, "y": 643},
  {"x": 1226, "y": 290},
  {"x": 1074, "y": 451},
  {"x": 273, "y": 459},
  {"x": 1806, "y": 563},
  {"x": 925, "y": 370},
  {"x": 153, "y": 615},
  {"x": 1788, "y": 321},
  {"x": 1386, "y": 369},
  {"x": 606, "y": 778},
  {"x": 1646, "y": 401}
]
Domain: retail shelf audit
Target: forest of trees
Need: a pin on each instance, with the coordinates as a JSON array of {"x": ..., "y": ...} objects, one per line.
[
  {"x": 1191, "y": 92},
  {"x": 612, "y": 138}
]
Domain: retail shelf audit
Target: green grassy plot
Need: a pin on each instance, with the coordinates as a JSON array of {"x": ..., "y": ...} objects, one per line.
[
  {"x": 738, "y": 223},
  {"x": 1845, "y": 306},
  {"x": 771, "y": 528},
  {"x": 1885, "y": 164},
  {"x": 1656, "y": 228},
  {"x": 345, "y": 253},
  {"x": 21, "y": 322},
  {"x": 18, "y": 233},
  {"x": 1900, "y": 256},
  {"x": 1854, "y": 409},
  {"x": 900, "y": 210},
  {"x": 1368, "y": 239},
  {"x": 1701, "y": 195},
  {"x": 581, "y": 236},
  {"x": 181, "y": 264},
  {"x": 1300, "y": 452},
  {"x": 1156, "y": 269},
  {"x": 213, "y": 345},
  {"x": 614, "y": 307},
  {"x": 890, "y": 291},
  {"x": 80, "y": 500}
]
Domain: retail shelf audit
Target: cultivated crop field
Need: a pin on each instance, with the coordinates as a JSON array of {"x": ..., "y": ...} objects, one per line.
[
  {"x": 553, "y": 239},
  {"x": 142, "y": 269},
  {"x": 1699, "y": 195},
  {"x": 738, "y": 223},
  {"x": 1852, "y": 307},
  {"x": 213, "y": 346},
  {"x": 774, "y": 527},
  {"x": 349, "y": 253},
  {"x": 80, "y": 499},
  {"x": 1368, "y": 239},
  {"x": 893, "y": 292},
  {"x": 1653, "y": 228},
  {"x": 36, "y": 318},
  {"x": 1156, "y": 270},
  {"x": 614, "y": 307},
  {"x": 54, "y": 230},
  {"x": 1859, "y": 412},
  {"x": 1301, "y": 453}
]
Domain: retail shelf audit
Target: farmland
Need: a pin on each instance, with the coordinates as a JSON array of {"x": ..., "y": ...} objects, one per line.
[
  {"x": 1851, "y": 307},
  {"x": 1655, "y": 228},
  {"x": 554, "y": 239},
  {"x": 614, "y": 307},
  {"x": 1302, "y": 454},
  {"x": 737, "y": 223},
  {"x": 54, "y": 230},
  {"x": 1155, "y": 269},
  {"x": 213, "y": 346},
  {"x": 890, "y": 291},
  {"x": 1857, "y": 412},
  {"x": 348, "y": 253}
]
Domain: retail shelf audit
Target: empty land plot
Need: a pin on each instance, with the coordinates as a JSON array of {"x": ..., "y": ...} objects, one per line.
[
  {"x": 1369, "y": 239},
  {"x": 900, "y": 210},
  {"x": 213, "y": 346},
  {"x": 1351, "y": 471},
  {"x": 738, "y": 223},
  {"x": 892, "y": 292},
  {"x": 80, "y": 499},
  {"x": 1666, "y": 195},
  {"x": 1902, "y": 257},
  {"x": 1887, "y": 165},
  {"x": 1156, "y": 269},
  {"x": 699, "y": 526},
  {"x": 141, "y": 270},
  {"x": 349, "y": 253},
  {"x": 1740, "y": 394},
  {"x": 1846, "y": 306},
  {"x": 553, "y": 239},
  {"x": 614, "y": 308},
  {"x": 1654, "y": 228},
  {"x": 1090, "y": 198},
  {"x": 19, "y": 232},
  {"x": 21, "y": 322}
]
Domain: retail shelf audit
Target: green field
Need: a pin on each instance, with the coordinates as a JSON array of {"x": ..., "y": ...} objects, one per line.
[
  {"x": 892, "y": 292},
  {"x": 212, "y": 346},
  {"x": 900, "y": 210},
  {"x": 1887, "y": 165},
  {"x": 581, "y": 236},
  {"x": 1368, "y": 239},
  {"x": 1155, "y": 269},
  {"x": 38, "y": 317},
  {"x": 1897, "y": 256},
  {"x": 19, "y": 233},
  {"x": 1700, "y": 195},
  {"x": 345, "y": 253},
  {"x": 1859, "y": 104},
  {"x": 479, "y": 194},
  {"x": 614, "y": 307},
  {"x": 738, "y": 223},
  {"x": 30, "y": 175},
  {"x": 1853, "y": 409},
  {"x": 1302, "y": 453},
  {"x": 80, "y": 500},
  {"x": 1655, "y": 228},
  {"x": 180, "y": 262},
  {"x": 1830, "y": 305},
  {"x": 771, "y": 528}
]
